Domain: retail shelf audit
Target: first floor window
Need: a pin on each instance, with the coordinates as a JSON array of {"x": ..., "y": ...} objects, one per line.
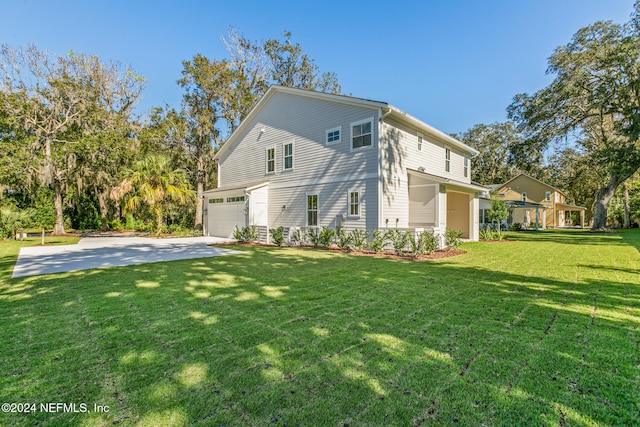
[
  {"x": 271, "y": 160},
  {"x": 288, "y": 156},
  {"x": 354, "y": 203},
  {"x": 361, "y": 135},
  {"x": 312, "y": 210}
]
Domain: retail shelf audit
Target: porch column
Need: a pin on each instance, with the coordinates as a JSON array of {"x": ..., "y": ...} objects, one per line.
[
  {"x": 582, "y": 219},
  {"x": 537, "y": 217}
]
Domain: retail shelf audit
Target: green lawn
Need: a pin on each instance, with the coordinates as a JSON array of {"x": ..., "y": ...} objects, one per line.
[{"x": 541, "y": 330}]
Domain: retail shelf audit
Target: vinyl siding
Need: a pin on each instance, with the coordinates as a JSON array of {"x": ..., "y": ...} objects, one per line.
[
  {"x": 399, "y": 152},
  {"x": 329, "y": 170}
]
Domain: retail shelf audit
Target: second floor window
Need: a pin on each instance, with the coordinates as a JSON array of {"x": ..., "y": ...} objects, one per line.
[
  {"x": 361, "y": 134},
  {"x": 288, "y": 156},
  {"x": 466, "y": 167},
  {"x": 547, "y": 196},
  {"x": 447, "y": 160},
  {"x": 524, "y": 197}
]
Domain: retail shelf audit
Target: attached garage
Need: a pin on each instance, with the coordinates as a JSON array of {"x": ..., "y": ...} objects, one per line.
[{"x": 228, "y": 208}]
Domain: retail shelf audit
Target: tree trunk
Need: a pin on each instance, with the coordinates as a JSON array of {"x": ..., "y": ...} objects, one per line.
[
  {"x": 603, "y": 197},
  {"x": 104, "y": 210},
  {"x": 58, "y": 228},
  {"x": 199, "y": 190},
  {"x": 627, "y": 206},
  {"x": 43, "y": 235}
]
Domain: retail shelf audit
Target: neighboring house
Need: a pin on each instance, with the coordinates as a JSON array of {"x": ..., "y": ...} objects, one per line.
[
  {"x": 534, "y": 203},
  {"x": 313, "y": 159}
]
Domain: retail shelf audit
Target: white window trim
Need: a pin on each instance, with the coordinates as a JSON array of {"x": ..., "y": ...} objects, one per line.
[
  {"x": 266, "y": 164},
  {"x": 349, "y": 214},
  {"x": 524, "y": 196},
  {"x": 359, "y": 122},
  {"x": 420, "y": 141},
  {"x": 328, "y": 131},
  {"x": 306, "y": 209},
  {"x": 547, "y": 196},
  {"x": 465, "y": 167},
  {"x": 293, "y": 156}
]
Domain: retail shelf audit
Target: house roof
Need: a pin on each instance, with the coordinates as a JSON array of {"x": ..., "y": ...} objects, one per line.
[
  {"x": 530, "y": 177},
  {"x": 387, "y": 110},
  {"x": 441, "y": 180},
  {"x": 249, "y": 187}
]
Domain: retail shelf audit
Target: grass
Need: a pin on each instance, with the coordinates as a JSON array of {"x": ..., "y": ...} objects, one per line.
[{"x": 541, "y": 330}]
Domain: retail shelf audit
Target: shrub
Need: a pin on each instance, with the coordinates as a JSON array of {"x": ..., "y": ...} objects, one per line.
[
  {"x": 246, "y": 234},
  {"x": 326, "y": 237},
  {"x": 379, "y": 240},
  {"x": 296, "y": 237},
  {"x": 452, "y": 238},
  {"x": 486, "y": 233},
  {"x": 417, "y": 245},
  {"x": 277, "y": 235},
  {"x": 344, "y": 239},
  {"x": 399, "y": 240},
  {"x": 429, "y": 241},
  {"x": 359, "y": 238},
  {"x": 313, "y": 234},
  {"x": 516, "y": 226}
]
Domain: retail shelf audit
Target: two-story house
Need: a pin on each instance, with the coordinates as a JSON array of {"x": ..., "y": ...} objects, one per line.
[
  {"x": 535, "y": 203},
  {"x": 312, "y": 159}
]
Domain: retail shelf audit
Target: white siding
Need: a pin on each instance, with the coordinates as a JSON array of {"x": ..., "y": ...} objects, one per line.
[{"x": 331, "y": 170}]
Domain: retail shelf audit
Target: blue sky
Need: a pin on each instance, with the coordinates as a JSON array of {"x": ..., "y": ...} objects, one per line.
[{"x": 451, "y": 63}]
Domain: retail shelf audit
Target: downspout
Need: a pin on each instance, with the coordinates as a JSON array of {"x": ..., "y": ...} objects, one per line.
[{"x": 380, "y": 177}]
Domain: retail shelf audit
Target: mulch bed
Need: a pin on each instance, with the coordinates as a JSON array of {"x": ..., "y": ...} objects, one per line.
[{"x": 389, "y": 255}]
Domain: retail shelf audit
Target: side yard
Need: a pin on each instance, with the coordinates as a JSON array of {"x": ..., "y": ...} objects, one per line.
[{"x": 542, "y": 329}]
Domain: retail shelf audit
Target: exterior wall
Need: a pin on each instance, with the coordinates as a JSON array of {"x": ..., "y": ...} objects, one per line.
[
  {"x": 329, "y": 170},
  {"x": 536, "y": 192}
]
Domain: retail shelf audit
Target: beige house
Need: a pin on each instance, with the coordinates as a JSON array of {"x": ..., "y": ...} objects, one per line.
[{"x": 534, "y": 203}]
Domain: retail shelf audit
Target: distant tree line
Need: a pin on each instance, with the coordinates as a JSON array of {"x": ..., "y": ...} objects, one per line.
[
  {"x": 587, "y": 121},
  {"x": 71, "y": 140}
]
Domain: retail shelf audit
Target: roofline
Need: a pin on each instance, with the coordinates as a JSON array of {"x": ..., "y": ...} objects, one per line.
[
  {"x": 443, "y": 180},
  {"x": 395, "y": 112},
  {"x": 301, "y": 92},
  {"x": 535, "y": 179}
]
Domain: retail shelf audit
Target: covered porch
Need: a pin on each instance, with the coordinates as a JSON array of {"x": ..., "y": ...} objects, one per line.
[
  {"x": 437, "y": 203},
  {"x": 529, "y": 214},
  {"x": 569, "y": 215}
]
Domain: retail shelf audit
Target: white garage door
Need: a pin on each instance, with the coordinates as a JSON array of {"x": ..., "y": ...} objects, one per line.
[{"x": 224, "y": 217}]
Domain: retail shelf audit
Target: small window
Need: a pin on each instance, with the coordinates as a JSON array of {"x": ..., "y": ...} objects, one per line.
[
  {"x": 312, "y": 210},
  {"x": 271, "y": 160},
  {"x": 333, "y": 136},
  {"x": 235, "y": 199},
  {"x": 419, "y": 142},
  {"x": 361, "y": 134},
  {"x": 354, "y": 203},
  {"x": 524, "y": 197},
  {"x": 547, "y": 196},
  {"x": 447, "y": 160},
  {"x": 288, "y": 156},
  {"x": 466, "y": 167},
  {"x": 219, "y": 200}
]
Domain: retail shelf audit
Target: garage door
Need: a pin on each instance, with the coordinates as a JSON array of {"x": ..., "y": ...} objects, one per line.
[{"x": 222, "y": 218}]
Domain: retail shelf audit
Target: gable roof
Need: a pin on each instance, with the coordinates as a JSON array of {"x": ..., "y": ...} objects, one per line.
[
  {"x": 386, "y": 108},
  {"x": 533, "y": 179}
]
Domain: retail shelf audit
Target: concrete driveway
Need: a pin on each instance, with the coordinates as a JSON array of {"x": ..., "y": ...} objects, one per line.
[{"x": 96, "y": 252}]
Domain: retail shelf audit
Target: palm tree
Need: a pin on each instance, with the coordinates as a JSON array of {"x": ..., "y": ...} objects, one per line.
[{"x": 151, "y": 182}]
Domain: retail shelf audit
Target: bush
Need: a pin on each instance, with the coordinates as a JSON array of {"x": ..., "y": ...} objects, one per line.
[
  {"x": 326, "y": 237},
  {"x": 359, "y": 238},
  {"x": 516, "y": 226},
  {"x": 296, "y": 237},
  {"x": 277, "y": 235},
  {"x": 378, "y": 242},
  {"x": 486, "y": 233},
  {"x": 452, "y": 238},
  {"x": 429, "y": 241},
  {"x": 246, "y": 234},
  {"x": 313, "y": 234},
  {"x": 399, "y": 240},
  {"x": 344, "y": 239}
]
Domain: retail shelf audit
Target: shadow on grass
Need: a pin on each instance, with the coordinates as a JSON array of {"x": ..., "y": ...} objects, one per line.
[{"x": 291, "y": 336}]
